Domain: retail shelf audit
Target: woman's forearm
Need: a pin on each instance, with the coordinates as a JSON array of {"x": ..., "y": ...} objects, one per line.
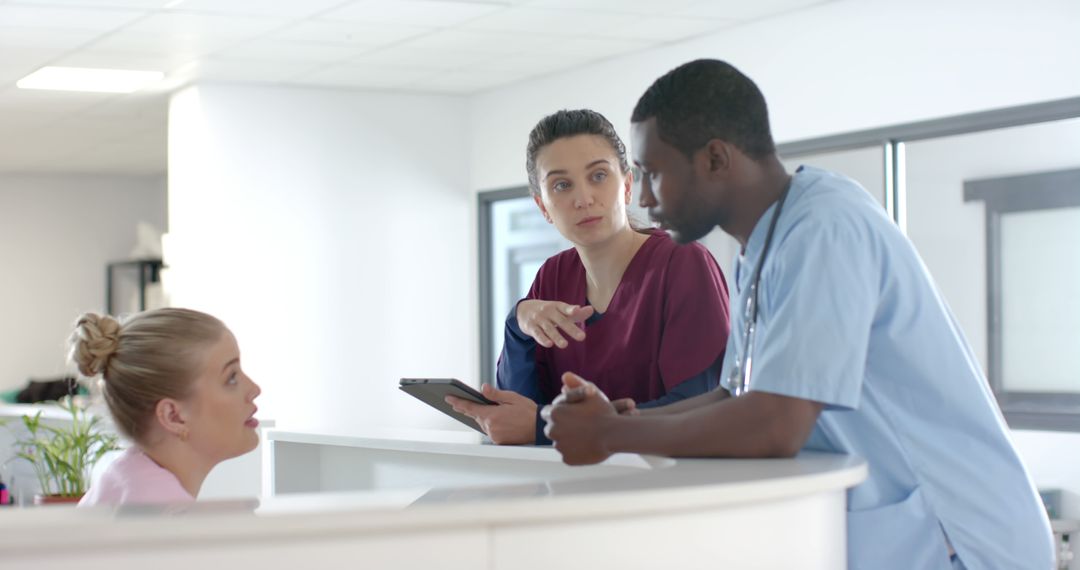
[{"x": 688, "y": 404}]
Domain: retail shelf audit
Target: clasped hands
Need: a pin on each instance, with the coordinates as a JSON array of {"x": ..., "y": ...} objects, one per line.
[
  {"x": 575, "y": 418},
  {"x": 578, "y": 420},
  {"x": 581, "y": 418}
]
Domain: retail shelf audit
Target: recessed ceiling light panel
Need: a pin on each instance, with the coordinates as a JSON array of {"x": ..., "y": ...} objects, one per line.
[{"x": 89, "y": 79}]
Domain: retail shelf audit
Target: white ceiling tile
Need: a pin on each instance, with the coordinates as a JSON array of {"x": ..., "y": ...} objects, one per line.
[
  {"x": 414, "y": 58},
  {"x": 350, "y": 33},
  {"x": 412, "y": 12},
  {"x": 533, "y": 64},
  {"x": 250, "y": 71},
  {"x": 676, "y": 29},
  {"x": 739, "y": 10},
  {"x": 451, "y": 46},
  {"x": 205, "y": 25},
  {"x": 136, "y": 4},
  {"x": 284, "y": 8},
  {"x": 19, "y": 62},
  {"x": 285, "y": 50},
  {"x": 510, "y": 43},
  {"x": 125, "y": 60},
  {"x": 593, "y": 48},
  {"x": 96, "y": 20},
  {"x": 61, "y": 40},
  {"x": 478, "y": 41},
  {"x": 470, "y": 81},
  {"x": 582, "y": 24},
  {"x": 640, "y": 7},
  {"x": 173, "y": 47},
  {"x": 361, "y": 76},
  {"x": 503, "y": 3}
]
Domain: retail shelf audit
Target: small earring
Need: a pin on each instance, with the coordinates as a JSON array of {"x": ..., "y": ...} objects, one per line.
[{"x": 183, "y": 434}]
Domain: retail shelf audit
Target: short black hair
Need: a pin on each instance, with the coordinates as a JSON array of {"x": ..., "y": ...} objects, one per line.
[
  {"x": 569, "y": 123},
  {"x": 708, "y": 99}
]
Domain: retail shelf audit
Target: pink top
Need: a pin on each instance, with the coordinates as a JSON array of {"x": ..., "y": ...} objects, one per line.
[{"x": 134, "y": 478}]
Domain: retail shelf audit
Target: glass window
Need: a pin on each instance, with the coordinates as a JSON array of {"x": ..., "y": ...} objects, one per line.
[
  {"x": 1040, "y": 290},
  {"x": 864, "y": 165},
  {"x": 521, "y": 240},
  {"x": 1034, "y": 345}
]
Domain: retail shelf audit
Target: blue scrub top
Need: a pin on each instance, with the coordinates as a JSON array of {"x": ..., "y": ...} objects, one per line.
[{"x": 850, "y": 317}]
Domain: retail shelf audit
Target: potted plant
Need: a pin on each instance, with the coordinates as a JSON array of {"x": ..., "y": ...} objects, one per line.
[{"x": 63, "y": 455}]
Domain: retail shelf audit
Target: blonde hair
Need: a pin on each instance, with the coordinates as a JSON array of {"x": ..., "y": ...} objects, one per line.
[{"x": 150, "y": 356}]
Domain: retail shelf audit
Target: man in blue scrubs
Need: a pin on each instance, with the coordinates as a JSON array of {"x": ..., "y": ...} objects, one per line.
[{"x": 846, "y": 347}]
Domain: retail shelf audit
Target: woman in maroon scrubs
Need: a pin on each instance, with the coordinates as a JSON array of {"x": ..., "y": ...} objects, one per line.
[{"x": 643, "y": 318}]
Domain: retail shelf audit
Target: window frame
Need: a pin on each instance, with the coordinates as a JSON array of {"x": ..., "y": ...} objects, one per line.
[
  {"x": 1057, "y": 411},
  {"x": 484, "y": 203}
]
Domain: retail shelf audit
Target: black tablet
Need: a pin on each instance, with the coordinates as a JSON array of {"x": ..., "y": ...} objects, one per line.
[{"x": 433, "y": 391}]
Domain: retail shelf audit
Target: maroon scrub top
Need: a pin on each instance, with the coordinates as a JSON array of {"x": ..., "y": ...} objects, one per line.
[{"x": 667, "y": 322}]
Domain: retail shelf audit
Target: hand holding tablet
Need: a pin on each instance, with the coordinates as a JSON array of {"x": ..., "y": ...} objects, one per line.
[{"x": 433, "y": 392}]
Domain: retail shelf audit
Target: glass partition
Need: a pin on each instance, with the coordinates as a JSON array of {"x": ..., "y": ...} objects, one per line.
[
  {"x": 864, "y": 165},
  {"x": 995, "y": 215},
  {"x": 520, "y": 240},
  {"x": 1040, "y": 282}
]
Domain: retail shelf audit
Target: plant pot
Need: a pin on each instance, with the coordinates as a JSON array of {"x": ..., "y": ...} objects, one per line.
[{"x": 40, "y": 499}]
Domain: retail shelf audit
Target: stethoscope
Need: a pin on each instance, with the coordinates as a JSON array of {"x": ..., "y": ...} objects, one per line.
[{"x": 739, "y": 378}]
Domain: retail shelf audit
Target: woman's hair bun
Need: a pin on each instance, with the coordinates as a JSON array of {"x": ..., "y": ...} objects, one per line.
[{"x": 95, "y": 340}]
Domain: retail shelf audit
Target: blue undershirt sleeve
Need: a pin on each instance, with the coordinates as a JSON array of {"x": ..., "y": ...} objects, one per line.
[
  {"x": 705, "y": 381},
  {"x": 517, "y": 369},
  {"x": 695, "y": 385}
]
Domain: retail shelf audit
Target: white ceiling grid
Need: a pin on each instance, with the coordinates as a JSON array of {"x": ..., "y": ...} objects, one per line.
[{"x": 433, "y": 46}]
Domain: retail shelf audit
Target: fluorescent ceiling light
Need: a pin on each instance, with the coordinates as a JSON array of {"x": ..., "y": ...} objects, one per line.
[{"x": 89, "y": 79}]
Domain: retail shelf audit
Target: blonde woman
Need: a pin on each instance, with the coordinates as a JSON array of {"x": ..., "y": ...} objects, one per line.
[{"x": 174, "y": 386}]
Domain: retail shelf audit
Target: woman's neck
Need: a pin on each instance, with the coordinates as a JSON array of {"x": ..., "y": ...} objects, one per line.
[
  {"x": 179, "y": 459},
  {"x": 605, "y": 264}
]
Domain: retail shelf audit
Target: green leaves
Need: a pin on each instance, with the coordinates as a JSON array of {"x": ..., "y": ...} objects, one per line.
[{"x": 63, "y": 455}]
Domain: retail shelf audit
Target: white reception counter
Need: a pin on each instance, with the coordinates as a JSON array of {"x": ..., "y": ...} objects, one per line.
[{"x": 443, "y": 500}]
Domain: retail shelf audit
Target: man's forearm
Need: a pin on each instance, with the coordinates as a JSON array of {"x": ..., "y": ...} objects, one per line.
[
  {"x": 688, "y": 404},
  {"x": 755, "y": 425}
]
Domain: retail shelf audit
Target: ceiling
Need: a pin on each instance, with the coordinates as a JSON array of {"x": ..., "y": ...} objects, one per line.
[{"x": 433, "y": 46}]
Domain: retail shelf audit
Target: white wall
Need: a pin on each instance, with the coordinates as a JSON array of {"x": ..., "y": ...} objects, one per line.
[
  {"x": 57, "y": 232},
  {"x": 835, "y": 68},
  {"x": 839, "y": 67},
  {"x": 333, "y": 232}
]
